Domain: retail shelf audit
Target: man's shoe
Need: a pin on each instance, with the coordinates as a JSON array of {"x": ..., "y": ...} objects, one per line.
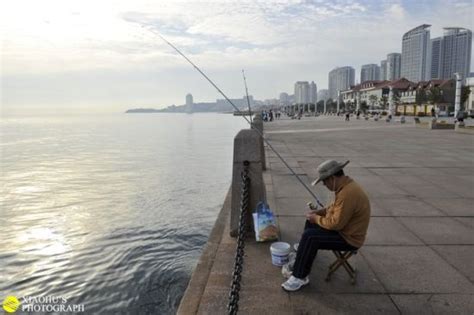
[{"x": 294, "y": 284}]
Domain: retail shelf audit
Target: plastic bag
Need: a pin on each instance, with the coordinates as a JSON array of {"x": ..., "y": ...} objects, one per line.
[{"x": 264, "y": 223}]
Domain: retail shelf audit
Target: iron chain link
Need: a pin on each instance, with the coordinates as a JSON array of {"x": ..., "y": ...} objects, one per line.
[{"x": 233, "y": 305}]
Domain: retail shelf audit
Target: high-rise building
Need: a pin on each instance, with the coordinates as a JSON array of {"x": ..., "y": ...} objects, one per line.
[
  {"x": 323, "y": 95},
  {"x": 394, "y": 63},
  {"x": 302, "y": 92},
  {"x": 416, "y": 54},
  {"x": 340, "y": 79},
  {"x": 383, "y": 70},
  {"x": 284, "y": 98},
  {"x": 456, "y": 52},
  {"x": 189, "y": 103},
  {"x": 189, "y": 99},
  {"x": 451, "y": 53},
  {"x": 313, "y": 93},
  {"x": 369, "y": 72},
  {"x": 436, "y": 51}
]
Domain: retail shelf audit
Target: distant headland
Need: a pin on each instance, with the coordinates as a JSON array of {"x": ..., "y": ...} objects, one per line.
[{"x": 219, "y": 106}]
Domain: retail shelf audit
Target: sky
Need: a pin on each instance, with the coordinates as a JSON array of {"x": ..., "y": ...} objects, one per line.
[{"x": 106, "y": 55}]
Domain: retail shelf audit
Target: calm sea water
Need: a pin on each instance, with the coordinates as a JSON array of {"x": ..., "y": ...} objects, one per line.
[{"x": 113, "y": 211}]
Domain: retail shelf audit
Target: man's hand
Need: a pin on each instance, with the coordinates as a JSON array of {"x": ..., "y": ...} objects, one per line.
[
  {"x": 311, "y": 216},
  {"x": 321, "y": 212}
]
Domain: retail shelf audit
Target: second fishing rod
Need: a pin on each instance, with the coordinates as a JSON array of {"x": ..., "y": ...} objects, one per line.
[{"x": 238, "y": 110}]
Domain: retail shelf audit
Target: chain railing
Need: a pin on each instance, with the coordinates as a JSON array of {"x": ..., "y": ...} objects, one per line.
[{"x": 233, "y": 305}]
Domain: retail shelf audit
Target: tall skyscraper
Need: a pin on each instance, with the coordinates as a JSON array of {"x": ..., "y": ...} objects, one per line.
[
  {"x": 383, "y": 70},
  {"x": 340, "y": 79},
  {"x": 436, "y": 50},
  {"x": 189, "y": 99},
  {"x": 323, "y": 95},
  {"x": 302, "y": 92},
  {"x": 284, "y": 98},
  {"x": 456, "y": 52},
  {"x": 369, "y": 72},
  {"x": 313, "y": 93},
  {"x": 189, "y": 103},
  {"x": 394, "y": 62},
  {"x": 416, "y": 54}
]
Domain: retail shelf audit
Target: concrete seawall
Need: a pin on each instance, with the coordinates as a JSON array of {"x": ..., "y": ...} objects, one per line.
[{"x": 192, "y": 296}]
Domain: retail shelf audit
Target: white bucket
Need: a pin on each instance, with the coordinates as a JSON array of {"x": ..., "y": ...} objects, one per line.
[{"x": 280, "y": 252}]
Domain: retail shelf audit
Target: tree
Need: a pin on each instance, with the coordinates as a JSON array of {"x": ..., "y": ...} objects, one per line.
[
  {"x": 320, "y": 106},
  {"x": 363, "y": 106},
  {"x": 373, "y": 100},
  {"x": 384, "y": 101},
  {"x": 329, "y": 102},
  {"x": 435, "y": 95},
  {"x": 420, "y": 96},
  {"x": 342, "y": 105},
  {"x": 396, "y": 101},
  {"x": 465, "y": 91}
]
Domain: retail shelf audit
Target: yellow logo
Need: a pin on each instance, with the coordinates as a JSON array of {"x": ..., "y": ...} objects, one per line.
[{"x": 11, "y": 304}]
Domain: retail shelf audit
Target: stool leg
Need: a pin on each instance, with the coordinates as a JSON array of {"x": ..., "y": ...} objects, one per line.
[
  {"x": 350, "y": 270},
  {"x": 342, "y": 260},
  {"x": 335, "y": 265}
]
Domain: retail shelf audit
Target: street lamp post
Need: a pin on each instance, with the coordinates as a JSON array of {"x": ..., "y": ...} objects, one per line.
[{"x": 457, "y": 99}]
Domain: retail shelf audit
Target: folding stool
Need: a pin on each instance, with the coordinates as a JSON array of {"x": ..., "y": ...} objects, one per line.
[{"x": 342, "y": 260}]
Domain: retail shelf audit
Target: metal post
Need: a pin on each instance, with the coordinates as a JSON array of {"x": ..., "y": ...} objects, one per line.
[
  {"x": 390, "y": 101},
  {"x": 457, "y": 99}
]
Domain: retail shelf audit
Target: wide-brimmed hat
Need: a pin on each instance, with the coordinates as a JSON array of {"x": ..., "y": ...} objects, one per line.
[{"x": 327, "y": 169}]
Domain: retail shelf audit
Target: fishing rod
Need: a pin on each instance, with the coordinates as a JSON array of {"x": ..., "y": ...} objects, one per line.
[
  {"x": 238, "y": 110},
  {"x": 247, "y": 93}
]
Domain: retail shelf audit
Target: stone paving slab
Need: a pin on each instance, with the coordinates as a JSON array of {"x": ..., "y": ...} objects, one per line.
[
  {"x": 409, "y": 207},
  {"x": 415, "y": 269},
  {"x": 453, "y": 206},
  {"x": 289, "y": 186},
  {"x": 421, "y": 304},
  {"x": 439, "y": 230},
  {"x": 343, "y": 304},
  {"x": 460, "y": 257},
  {"x": 388, "y": 231}
]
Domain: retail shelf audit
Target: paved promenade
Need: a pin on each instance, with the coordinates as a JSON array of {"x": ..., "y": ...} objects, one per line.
[{"x": 419, "y": 253}]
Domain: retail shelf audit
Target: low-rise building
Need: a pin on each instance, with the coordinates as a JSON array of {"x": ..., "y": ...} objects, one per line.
[
  {"x": 374, "y": 93},
  {"x": 423, "y": 96},
  {"x": 469, "y": 105}
]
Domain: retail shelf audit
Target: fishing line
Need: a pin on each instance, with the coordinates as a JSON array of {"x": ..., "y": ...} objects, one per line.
[
  {"x": 247, "y": 93},
  {"x": 238, "y": 110}
]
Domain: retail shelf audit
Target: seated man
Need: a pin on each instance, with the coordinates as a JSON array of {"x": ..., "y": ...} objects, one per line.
[{"x": 341, "y": 226}]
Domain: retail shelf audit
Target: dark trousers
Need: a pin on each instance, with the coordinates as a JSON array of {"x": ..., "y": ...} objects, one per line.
[{"x": 315, "y": 237}]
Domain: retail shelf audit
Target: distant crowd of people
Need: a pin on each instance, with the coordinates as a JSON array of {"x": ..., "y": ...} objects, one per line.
[{"x": 270, "y": 115}]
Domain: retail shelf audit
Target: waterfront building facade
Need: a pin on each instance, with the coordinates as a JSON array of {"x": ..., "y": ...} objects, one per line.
[
  {"x": 369, "y": 72},
  {"x": 340, "y": 79},
  {"x": 416, "y": 54}
]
